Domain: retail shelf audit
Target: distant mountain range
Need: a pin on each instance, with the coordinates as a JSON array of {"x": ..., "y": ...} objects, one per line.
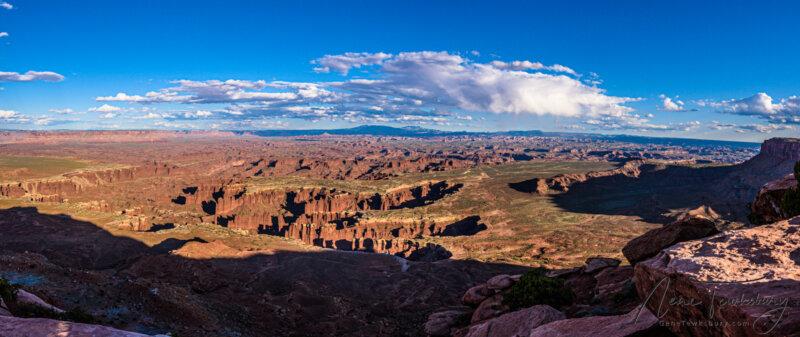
[
  {"x": 382, "y": 130},
  {"x": 418, "y": 132}
]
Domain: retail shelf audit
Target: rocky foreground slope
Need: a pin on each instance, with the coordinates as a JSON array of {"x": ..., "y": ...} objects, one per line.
[
  {"x": 736, "y": 283},
  {"x": 18, "y": 302},
  {"x": 746, "y": 280}
]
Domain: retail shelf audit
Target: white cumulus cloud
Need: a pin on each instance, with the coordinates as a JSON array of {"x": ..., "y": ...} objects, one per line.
[
  {"x": 427, "y": 85},
  {"x": 761, "y": 105},
  {"x": 105, "y": 108},
  {"x": 670, "y": 104}
]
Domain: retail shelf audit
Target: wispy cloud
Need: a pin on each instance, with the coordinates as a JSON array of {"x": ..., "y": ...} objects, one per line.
[
  {"x": 344, "y": 62},
  {"x": 64, "y": 111},
  {"x": 3, "y": 34},
  {"x": 6, "y": 5},
  {"x": 750, "y": 128},
  {"x": 47, "y": 76},
  {"x": 528, "y": 65}
]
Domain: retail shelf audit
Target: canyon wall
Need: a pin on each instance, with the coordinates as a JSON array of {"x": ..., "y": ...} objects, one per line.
[
  {"x": 72, "y": 184},
  {"x": 331, "y": 218}
]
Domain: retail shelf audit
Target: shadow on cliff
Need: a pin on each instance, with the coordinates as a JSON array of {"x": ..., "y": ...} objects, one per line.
[
  {"x": 656, "y": 191},
  {"x": 177, "y": 286},
  {"x": 660, "y": 189}
]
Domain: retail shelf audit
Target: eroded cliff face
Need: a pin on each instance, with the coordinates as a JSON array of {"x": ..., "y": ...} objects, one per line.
[
  {"x": 361, "y": 168},
  {"x": 562, "y": 182},
  {"x": 320, "y": 216},
  {"x": 330, "y": 218},
  {"x": 73, "y": 184},
  {"x": 776, "y": 159},
  {"x": 782, "y": 148},
  {"x": 224, "y": 200}
]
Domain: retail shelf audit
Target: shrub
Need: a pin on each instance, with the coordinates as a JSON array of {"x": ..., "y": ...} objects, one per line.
[
  {"x": 536, "y": 288},
  {"x": 790, "y": 204},
  {"x": 77, "y": 315},
  {"x": 34, "y": 311}
]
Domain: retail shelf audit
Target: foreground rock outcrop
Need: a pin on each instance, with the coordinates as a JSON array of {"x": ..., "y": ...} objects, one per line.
[
  {"x": 30, "y": 327},
  {"x": 767, "y": 208},
  {"x": 24, "y": 303},
  {"x": 736, "y": 283},
  {"x": 695, "y": 224},
  {"x": 517, "y": 323},
  {"x": 599, "y": 288},
  {"x": 635, "y": 323}
]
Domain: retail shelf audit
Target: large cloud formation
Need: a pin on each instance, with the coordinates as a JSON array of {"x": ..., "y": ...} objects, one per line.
[
  {"x": 763, "y": 106},
  {"x": 425, "y": 86}
]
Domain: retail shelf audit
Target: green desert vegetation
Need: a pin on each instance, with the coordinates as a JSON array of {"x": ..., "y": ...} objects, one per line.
[
  {"x": 791, "y": 200},
  {"x": 13, "y": 168},
  {"x": 536, "y": 288}
]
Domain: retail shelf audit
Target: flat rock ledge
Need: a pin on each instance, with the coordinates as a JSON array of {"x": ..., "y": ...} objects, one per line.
[
  {"x": 638, "y": 322},
  {"x": 737, "y": 283}
]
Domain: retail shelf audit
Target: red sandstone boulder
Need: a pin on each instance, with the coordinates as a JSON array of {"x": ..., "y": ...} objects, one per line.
[
  {"x": 614, "y": 290},
  {"x": 500, "y": 282},
  {"x": 737, "y": 283},
  {"x": 594, "y": 264},
  {"x": 489, "y": 308},
  {"x": 477, "y": 294},
  {"x": 766, "y": 208},
  {"x": 695, "y": 224},
  {"x": 441, "y": 323},
  {"x": 29, "y": 327},
  {"x": 517, "y": 323},
  {"x": 634, "y": 323},
  {"x": 582, "y": 286}
]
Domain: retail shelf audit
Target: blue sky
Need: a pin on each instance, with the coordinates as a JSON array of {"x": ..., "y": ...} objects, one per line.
[{"x": 719, "y": 70}]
